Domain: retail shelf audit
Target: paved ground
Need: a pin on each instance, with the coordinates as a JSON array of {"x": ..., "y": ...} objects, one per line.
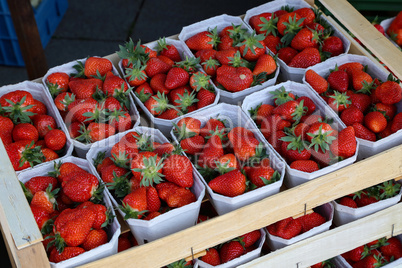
[{"x": 98, "y": 27}]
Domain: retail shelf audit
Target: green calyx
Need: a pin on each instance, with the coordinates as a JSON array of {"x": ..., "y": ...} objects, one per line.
[
  {"x": 341, "y": 99},
  {"x": 237, "y": 34},
  {"x": 295, "y": 142},
  {"x": 18, "y": 112},
  {"x": 121, "y": 160},
  {"x": 182, "y": 132},
  {"x": 144, "y": 142},
  {"x": 251, "y": 42},
  {"x": 130, "y": 212},
  {"x": 281, "y": 96},
  {"x": 293, "y": 26},
  {"x": 99, "y": 115},
  {"x": 389, "y": 189},
  {"x": 80, "y": 68},
  {"x": 32, "y": 154},
  {"x": 85, "y": 134},
  {"x": 150, "y": 173},
  {"x": 120, "y": 185},
  {"x": 213, "y": 34},
  {"x": 237, "y": 60},
  {"x": 53, "y": 89},
  {"x": 136, "y": 72},
  {"x": 98, "y": 159},
  {"x": 269, "y": 26},
  {"x": 186, "y": 100},
  {"x": 299, "y": 112},
  {"x": 321, "y": 140},
  {"x": 190, "y": 64},
  {"x": 123, "y": 96},
  {"x": 162, "y": 103},
  {"x": 27, "y": 192},
  {"x": 132, "y": 52},
  {"x": 143, "y": 96},
  {"x": 201, "y": 80}
]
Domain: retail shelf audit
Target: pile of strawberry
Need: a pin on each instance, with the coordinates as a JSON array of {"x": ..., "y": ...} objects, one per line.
[
  {"x": 232, "y": 249},
  {"x": 149, "y": 178},
  {"x": 167, "y": 85},
  {"x": 232, "y": 161},
  {"x": 374, "y": 254},
  {"x": 394, "y": 31},
  {"x": 67, "y": 206},
  {"x": 300, "y": 38},
  {"x": 292, "y": 227},
  {"x": 28, "y": 133},
  {"x": 297, "y": 131},
  {"x": 235, "y": 58},
  {"x": 363, "y": 102},
  {"x": 371, "y": 195},
  {"x": 94, "y": 102}
]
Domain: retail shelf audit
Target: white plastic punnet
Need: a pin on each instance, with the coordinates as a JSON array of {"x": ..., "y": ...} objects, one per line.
[
  {"x": 167, "y": 223},
  {"x": 235, "y": 117},
  {"x": 81, "y": 148},
  {"x": 385, "y": 24},
  {"x": 221, "y": 22},
  {"x": 366, "y": 148},
  {"x": 113, "y": 230},
  {"x": 291, "y": 73},
  {"x": 295, "y": 177},
  {"x": 38, "y": 92}
]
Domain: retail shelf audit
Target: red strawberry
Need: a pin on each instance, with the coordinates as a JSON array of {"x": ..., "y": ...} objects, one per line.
[
  {"x": 348, "y": 67},
  {"x": 80, "y": 186},
  {"x": 234, "y": 79},
  {"x": 147, "y": 167},
  {"x": 230, "y": 184},
  {"x": 250, "y": 238},
  {"x": 25, "y": 131},
  {"x": 176, "y": 77},
  {"x": 42, "y": 218},
  {"x": 265, "y": 63},
  {"x": 305, "y": 38},
  {"x": 360, "y": 78},
  {"x": 338, "y": 80},
  {"x": 212, "y": 124},
  {"x": 224, "y": 56},
  {"x": 287, "y": 54},
  {"x": 389, "y": 92},
  {"x": 95, "y": 238},
  {"x": 40, "y": 183},
  {"x": 396, "y": 123},
  {"x": 78, "y": 108},
  {"x": 205, "y": 97},
  {"x": 192, "y": 145},
  {"x": 67, "y": 253},
  {"x": 96, "y": 132},
  {"x": 244, "y": 143},
  {"x": 96, "y": 64},
  {"x": 188, "y": 126},
  {"x": 388, "y": 109},
  {"x": 212, "y": 150},
  {"x": 114, "y": 84},
  {"x": 352, "y": 115},
  {"x": 272, "y": 43},
  {"x": 309, "y": 221},
  {"x": 293, "y": 19},
  {"x": 44, "y": 123},
  {"x": 317, "y": 82},
  {"x": 63, "y": 100},
  {"x": 305, "y": 165},
  {"x": 231, "y": 250},
  {"x": 364, "y": 133},
  {"x": 156, "y": 66},
  {"x": 203, "y": 40},
  {"x": 24, "y": 154},
  {"x": 392, "y": 248},
  {"x": 256, "y": 23},
  {"x": 260, "y": 175},
  {"x": 168, "y": 50},
  {"x": 57, "y": 82},
  {"x": 6, "y": 129},
  {"x": 375, "y": 121},
  {"x": 356, "y": 254},
  {"x": 180, "y": 197},
  {"x": 252, "y": 47},
  {"x": 347, "y": 201},
  {"x": 306, "y": 13},
  {"x": 205, "y": 54},
  {"x": 212, "y": 257},
  {"x": 306, "y": 58},
  {"x": 345, "y": 145},
  {"x": 55, "y": 139},
  {"x": 333, "y": 45},
  {"x": 49, "y": 154},
  {"x": 287, "y": 228},
  {"x": 135, "y": 203},
  {"x": 85, "y": 88},
  {"x": 179, "y": 170},
  {"x": 361, "y": 101},
  {"x": 45, "y": 200}
]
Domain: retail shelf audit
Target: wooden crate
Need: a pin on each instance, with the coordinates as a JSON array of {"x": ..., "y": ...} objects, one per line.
[{"x": 23, "y": 238}]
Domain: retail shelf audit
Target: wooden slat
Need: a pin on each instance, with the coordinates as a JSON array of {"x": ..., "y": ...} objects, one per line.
[
  {"x": 220, "y": 229},
  {"x": 334, "y": 242},
  {"x": 17, "y": 213},
  {"x": 366, "y": 33},
  {"x": 28, "y": 37}
]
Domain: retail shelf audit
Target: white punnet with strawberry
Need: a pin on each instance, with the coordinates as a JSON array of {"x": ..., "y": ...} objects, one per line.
[
  {"x": 150, "y": 182},
  {"x": 365, "y": 96},
  {"x": 92, "y": 99},
  {"x": 236, "y": 165},
  {"x": 303, "y": 130},
  {"x": 31, "y": 130},
  {"x": 367, "y": 201},
  {"x": 76, "y": 219},
  {"x": 232, "y": 54},
  {"x": 297, "y": 34},
  {"x": 167, "y": 80},
  {"x": 291, "y": 230},
  {"x": 235, "y": 252},
  {"x": 393, "y": 29}
]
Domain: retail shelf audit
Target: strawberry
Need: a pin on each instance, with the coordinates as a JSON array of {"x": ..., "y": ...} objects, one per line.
[
  {"x": 72, "y": 227},
  {"x": 192, "y": 145},
  {"x": 80, "y": 187},
  {"x": 199, "y": 80},
  {"x": 205, "y": 54},
  {"x": 352, "y": 115},
  {"x": 6, "y": 129},
  {"x": 25, "y": 131},
  {"x": 224, "y": 56},
  {"x": 212, "y": 124},
  {"x": 123, "y": 243},
  {"x": 45, "y": 199},
  {"x": 49, "y": 154},
  {"x": 63, "y": 170},
  {"x": 252, "y": 47},
  {"x": 157, "y": 104},
  {"x": 180, "y": 197},
  {"x": 44, "y": 123},
  {"x": 368, "y": 262},
  {"x": 389, "y": 92},
  {"x": 320, "y": 135},
  {"x": 230, "y": 184},
  {"x": 210, "y": 66},
  {"x": 305, "y": 38},
  {"x": 306, "y": 13},
  {"x": 156, "y": 66},
  {"x": 168, "y": 50},
  {"x": 188, "y": 126},
  {"x": 286, "y": 228},
  {"x": 291, "y": 110},
  {"x": 289, "y": 23},
  {"x": 57, "y": 82},
  {"x": 134, "y": 204},
  {"x": 110, "y": 172},
  {"x": 375, "y": 121},
  {"x": 231, "y": 250},
  {"x": 212, "y": 257},
  {"x": 396, "y": 123},
  {"x": 234, "y": 79},
  {"x": 42, "y": 219},
  {"x": 306, "y": 58},
  {"x": 67, "y": 253},
  {"x": 84, "y": 88},
  {"x": 250, "y": 238},
  {"x": 256, "y": 22},
  {"x": 244, "y": 143},
  {"x": 273, "y": 43},
  {"x": 96, "y": 132},
  {"x": 170, "y": 114},
  {"x": 179, "y": 170},
  {"x": 135, "y": 76},
  {"x": 356, "y": 254},
  {"x": 203, "y": 40},
  {"x": 176, "y": 77},
  {"x": 55, "y": 139},
  {"x": 24, "y": 154},
  {"x": 338, "y": 80},
  {"x": 147, "y": 167},
  {"x": 272, "y": 124},
  {"x": 339, "y": 101},
  {"x": 95, "y": 238},
  {"x": 333, "y": 45},
  {"x": 294, "y": 150},
  {"x": 317, "y": 82},
  {"x": 360, "y": 79},
  {"x": 79, "y": 109},
  {"x": 260, "y": 175},
  {"x": 286, "y": 54},
  {"x": 63, "y": 100},
  {"x": 347, "y": 201},
  {"x": 212, "y": 150},
  {"x": 361, "y": 101},
  {"x": 261, "y": 112},
  {"x": 93, "y": 65},
  {"x": 392, "y": 248},
  {"x": 205, "y": 97},
  {"x": 388, "y": 110},
  {"x": 265, "y": 63},
  {"x": 16, "y": 105},
  {"x": 41, "y": 183},
  {"x": 114, "y": 85},
  {"x": 305, "y": 165},
  {"x": 309, "y": 221},
  {"x": 345, "y": 145},
  {"x": 364, "y": 133}
]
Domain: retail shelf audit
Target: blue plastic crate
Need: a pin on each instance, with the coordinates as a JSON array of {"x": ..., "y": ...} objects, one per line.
[{"x": 48, "y": 16}]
